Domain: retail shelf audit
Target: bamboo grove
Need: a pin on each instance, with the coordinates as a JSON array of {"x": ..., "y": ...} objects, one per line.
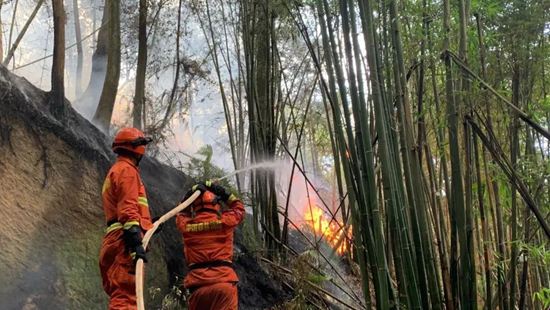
[{"x": 437, "y": 118}]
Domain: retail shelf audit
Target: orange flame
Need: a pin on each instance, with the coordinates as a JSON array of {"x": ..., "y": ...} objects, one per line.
[{"x": 322, "y": 224}]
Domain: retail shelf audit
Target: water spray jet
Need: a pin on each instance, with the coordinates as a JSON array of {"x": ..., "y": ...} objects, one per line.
[{"x": 267, "y": 165}]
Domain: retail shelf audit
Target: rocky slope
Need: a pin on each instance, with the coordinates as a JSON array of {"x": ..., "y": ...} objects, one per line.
[{"x": 51, "y": 174}]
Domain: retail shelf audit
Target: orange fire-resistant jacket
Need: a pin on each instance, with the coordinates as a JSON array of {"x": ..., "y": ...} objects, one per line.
[
  {"x": 208, "y": 237},
  {"x": 124, "y": 198},
  {"x": 125, "y": 205}
]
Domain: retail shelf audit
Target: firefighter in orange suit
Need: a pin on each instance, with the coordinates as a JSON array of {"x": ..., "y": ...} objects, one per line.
[
  {"x": 207, "y": 232},
  {"x": 127, "y": 217}
]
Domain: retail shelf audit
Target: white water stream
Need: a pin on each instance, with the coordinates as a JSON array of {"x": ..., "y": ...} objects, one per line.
[{"x": 265, "y": 165}]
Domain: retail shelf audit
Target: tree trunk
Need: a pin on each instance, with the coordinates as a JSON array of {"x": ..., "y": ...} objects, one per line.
[
  {"x": 427, "y": 278},
  {"x": 57, "y": 104},
  {"x": 457, "y": 199},
  {"x": 367, "y": 210},
  {"x": 78, "y": 37},
  {"x": 530, "y": 151},
  {"x": 104, "y": 111},
  {"x": 262, "y": 77},
  {"x": 90, "y": 98},
  {"x": 1, "y": 33},
  {"x": 231, "y": 126},
  {"x": 139, "y": 97},
  {"x": 514, "y": 154},
  {"x": 493, "y": 187},
  {"x": 464, "y": 207},
  {"x": 170, "y": 108},
  {"x": 439, "y": 138},
  {"x": 484, "y": 227},
  {"x": 397, "y": 203}
]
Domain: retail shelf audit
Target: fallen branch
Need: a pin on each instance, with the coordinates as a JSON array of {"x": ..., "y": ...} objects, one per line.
[{"x": 147, "y": 237}]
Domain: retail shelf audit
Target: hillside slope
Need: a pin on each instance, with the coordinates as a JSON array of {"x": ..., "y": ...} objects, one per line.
[{"x": 51, "y": 175}]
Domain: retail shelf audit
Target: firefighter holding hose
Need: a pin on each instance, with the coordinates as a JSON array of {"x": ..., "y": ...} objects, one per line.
[
  {"x": 207, "y": 230},
  {"x": 127, "y": 217}
]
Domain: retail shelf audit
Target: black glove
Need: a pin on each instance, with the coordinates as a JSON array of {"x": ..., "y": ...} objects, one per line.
[
  {"x": 139, "y": 253},
  {"x": 132, "y": 240},
  {"x": 199, "y": 186},
  {"x": 159, "y": 228},
  {"x": 219, "y": 190}
]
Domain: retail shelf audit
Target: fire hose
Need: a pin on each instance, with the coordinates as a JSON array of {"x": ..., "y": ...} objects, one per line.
[{"x": 147, "y": 237}]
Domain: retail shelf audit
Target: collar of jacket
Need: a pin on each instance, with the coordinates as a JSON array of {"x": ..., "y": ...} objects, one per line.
[{"x": 128, "y": 160}]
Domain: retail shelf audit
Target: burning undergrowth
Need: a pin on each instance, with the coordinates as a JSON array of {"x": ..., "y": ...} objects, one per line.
[
  {"x": 319, "y": 241},
  {"x": 325, "y": 225}
]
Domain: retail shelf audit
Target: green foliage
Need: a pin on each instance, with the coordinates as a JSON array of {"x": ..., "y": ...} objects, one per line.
[
  {"x": 537, "y": 253},
  {"x": 201, "y": 167},
  {"x": 543, "y": 296},
  {"x": 317, "y": 278}
]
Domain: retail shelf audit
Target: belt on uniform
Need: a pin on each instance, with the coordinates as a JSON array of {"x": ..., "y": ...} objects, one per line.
[
  {"x": 112, "y": 226},
  {"x": 209, "y": 264}
]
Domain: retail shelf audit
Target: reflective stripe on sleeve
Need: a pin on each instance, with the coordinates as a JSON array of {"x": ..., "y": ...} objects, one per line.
[
  {"x": 129, "y": 224},
  {"x": 106, "y": 185},
  {"x": 113, "y": 227},
  {"x": 143, "y": 201}
]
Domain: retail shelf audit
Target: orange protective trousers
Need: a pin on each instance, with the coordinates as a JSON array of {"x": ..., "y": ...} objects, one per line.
[
  {"x": 118, "y": 272},
  {"x": 219, "y": 296}
]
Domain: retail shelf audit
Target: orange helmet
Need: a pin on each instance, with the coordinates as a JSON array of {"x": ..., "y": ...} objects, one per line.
[
  {"x": 207, "y": 198},
  {"x": 206, "y": 201},
  {"x": 130, "y": 139}
]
